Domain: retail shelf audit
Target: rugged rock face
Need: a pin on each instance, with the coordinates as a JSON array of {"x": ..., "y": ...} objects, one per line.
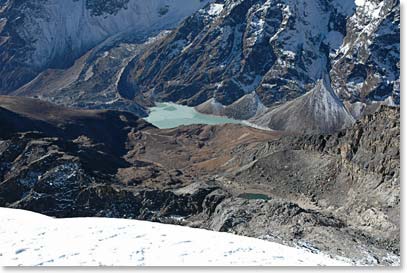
[
  {"x": 279, "y": 50},
  {"x": 36, "y": 35},
  {"x": 353, "y": 175},
  {"x": 367, "y": 66},
  {"x": 239, "y": 44},
  {"x": 337, "y": 193}
]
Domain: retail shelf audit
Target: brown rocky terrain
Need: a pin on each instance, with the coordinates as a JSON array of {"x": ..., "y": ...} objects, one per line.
[
  {"x": 338, "y": 193},
  {"x": 351, "y": 177}
]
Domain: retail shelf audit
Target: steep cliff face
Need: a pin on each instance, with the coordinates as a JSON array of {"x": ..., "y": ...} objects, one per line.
[
  {"x": 236, "y": 47},
  {"x": 35, "y": 35},
  {"x": 279, "y": 50},
  {"x": 367, "y": 65}
]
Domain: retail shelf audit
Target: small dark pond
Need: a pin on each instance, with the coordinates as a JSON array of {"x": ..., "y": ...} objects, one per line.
[{"x": 254, "y": 196}]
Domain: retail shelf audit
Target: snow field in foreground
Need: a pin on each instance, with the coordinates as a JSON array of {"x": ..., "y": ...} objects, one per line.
[{"x": 29, "y": 239}]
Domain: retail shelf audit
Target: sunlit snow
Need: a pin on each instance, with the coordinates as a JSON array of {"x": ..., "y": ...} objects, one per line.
[
  {"x": 29, "y": 239},
  {"x": 215, "y": 9}
]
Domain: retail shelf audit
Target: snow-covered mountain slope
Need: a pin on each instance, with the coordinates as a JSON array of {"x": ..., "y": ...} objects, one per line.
[
  {"x": 35, "y": 35},
  {"x": 29, "y": 239}
]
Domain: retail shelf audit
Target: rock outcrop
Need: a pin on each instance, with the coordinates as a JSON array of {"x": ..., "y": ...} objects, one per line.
[{"x": 353, "y": 176}]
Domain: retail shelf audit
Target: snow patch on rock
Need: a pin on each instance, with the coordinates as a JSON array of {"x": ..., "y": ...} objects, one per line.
[{"x": 215, "y": 9}]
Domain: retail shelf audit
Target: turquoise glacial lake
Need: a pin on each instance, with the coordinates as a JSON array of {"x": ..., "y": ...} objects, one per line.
[{"x": 171, "y": 115}]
